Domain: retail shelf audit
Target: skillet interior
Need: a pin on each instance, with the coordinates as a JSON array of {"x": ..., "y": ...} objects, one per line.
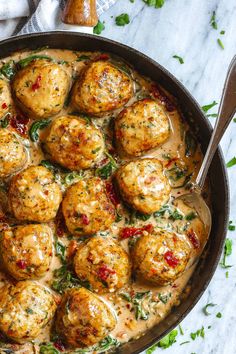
[{"x": 192, "y": 112}]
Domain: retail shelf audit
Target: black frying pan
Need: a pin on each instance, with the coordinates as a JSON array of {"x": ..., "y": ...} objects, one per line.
[{"x": 192, "y": 112}]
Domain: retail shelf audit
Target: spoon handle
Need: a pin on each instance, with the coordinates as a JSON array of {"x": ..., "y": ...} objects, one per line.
[{"x": 226, "y": 112}]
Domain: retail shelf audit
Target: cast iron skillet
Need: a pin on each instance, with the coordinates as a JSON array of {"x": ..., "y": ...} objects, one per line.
[{"x": 192, "y": 111}]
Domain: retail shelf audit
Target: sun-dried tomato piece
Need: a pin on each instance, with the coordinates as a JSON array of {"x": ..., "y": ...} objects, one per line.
[
  {"x": 37, "y": 83},
  {"x": 104, "y": 272},
  {"x": 171, "y": 259},
  {"x": 193, "y": 239}
]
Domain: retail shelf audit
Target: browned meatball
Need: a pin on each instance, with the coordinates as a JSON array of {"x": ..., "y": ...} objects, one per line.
[
  {"x": 143, "y": 184},
  {"x": 41, "y": 88},
  {"x": 86, "y": 207},
  {"x": 34, "y": 195},
  {"x": 103, "y": 263},
  {"x": 25, "y": 309},
  {"x": 160, "y": 257},
  {"x": 26, "y": 250},
  {"x": 83, "y": 319},
  {"x": 101, "y": 88},
  {"x": 74, "y": 143},
  {"x": 141, "y": 127},
  {"x": 13, "y": 155}
]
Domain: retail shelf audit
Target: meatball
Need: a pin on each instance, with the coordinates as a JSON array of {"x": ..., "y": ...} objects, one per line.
[
  {"x": 5, "y": 97},
  {"x": 41, "y": 88},
  {"x": 26, "y": 251},
  {"x": 83, "y": 319},
  {"x": 160, "y": 257},
  {"x": 13, "y": 155},
  {"x": 141, "y": 127},
  {"x": 101, "y": 88},
  {"x": 86, "y": 207},
  {"x": 74, "y": 143},
  {"x": 34, "y": 195},
  {"x": 103, "y": 263},
  {"x": 143, "y": 184},
  {"x": 25, "y": 308}
]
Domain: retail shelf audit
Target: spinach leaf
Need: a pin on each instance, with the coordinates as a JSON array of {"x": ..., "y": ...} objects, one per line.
[
  {"x": 8, "y": 69},
  {"x": 24, "y": 62},
  {"x": 36, "y": 126},
  {"x": 48, "y": 349}
]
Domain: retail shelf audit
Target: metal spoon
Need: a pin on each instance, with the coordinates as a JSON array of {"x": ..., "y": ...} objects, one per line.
[{"x": 226, "y": 112}]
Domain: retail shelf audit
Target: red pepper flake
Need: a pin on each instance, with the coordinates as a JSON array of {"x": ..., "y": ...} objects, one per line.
[
  {"x": 112, "y": 194},
  {"x": 171, "y": 259},
  {"x": 4, "y": 105},
  {"x": 127, "y": 232},
  {"x": 19, "y": 123},
  {"x": 104, "y": 272},
  {"x": 37, "y": 83},
  {"x": 21, "y": 264},
  {"x": 59, "y": 345},
  {"x": 193, "y": 239},
  {"x": 101, "y": 57},
  {"x": 160, "y": 95},
  {"x": 85, "y": 219}
]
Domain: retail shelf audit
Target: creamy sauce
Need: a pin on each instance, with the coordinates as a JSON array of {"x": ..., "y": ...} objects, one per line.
[{"x": 158, "y": 302}]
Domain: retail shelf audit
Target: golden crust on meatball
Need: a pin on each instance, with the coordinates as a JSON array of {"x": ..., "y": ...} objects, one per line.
[
  {"x": 160, "y": 257},
  {"x": 141, "y": 127},
  {"x": 26, "y": 251},
  {"x": 143, "y": 185},
  {"x": 75, "y": 143},
  {"x": 101, "y": 88},
  {"x": 34, "y": 195},
  {"x": 25, "y": 308},
  {"x": 103, "y": 263},
  {"x": 13, "y": 155},
  {"x": 87, "y": 208},
  {"x": 83, "y": 319},
  {"x": 41, "y": 88},
  {"x": 5, "y": 97}
]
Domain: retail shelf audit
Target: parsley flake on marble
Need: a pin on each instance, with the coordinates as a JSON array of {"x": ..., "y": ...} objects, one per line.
[
  {"x": 213, "y": 21},
  {"x": 219, "y": 315},
  {"x": 209, "y": 106},
  {"x": 165, "y": 342},
  {"x": 227, "y": 252},
  {"x": 198, "y": 333},
  {"x": 205, "y": 308},
  {"x": 156, "y": 3},
  {"x": 122, "y": 20},
  {"x": 98, "y": 28},
  {"x": 222, "y": 32},
  {"x": 181, "y": 60},
  {"x": 231, "y": 227},
  {"x": 231, "y": 163},
  {"x": 219, "y": 41}
]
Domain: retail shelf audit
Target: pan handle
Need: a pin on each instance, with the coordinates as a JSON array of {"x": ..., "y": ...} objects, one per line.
[{"x": 80, "y": 13}]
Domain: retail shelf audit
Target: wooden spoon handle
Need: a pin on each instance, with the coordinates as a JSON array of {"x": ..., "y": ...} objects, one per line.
[{"x": 80, "y": 12}]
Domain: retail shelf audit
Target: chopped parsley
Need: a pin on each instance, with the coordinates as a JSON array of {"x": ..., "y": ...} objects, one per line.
[
  {"x": 198, "y": 333},
  {"x": 205, "y": 308},
  {"x": 181, "y": 330},
  {"x": 220, "y": 43},
  {"x": 164, "y": 297},
  {"x": 209, "y": 106},
  {"x": 222, "y": 32},
  {"x": 213, "y": 21},
  {"x": 219, "y": 315},
  {"x": 227, "y": 252},
  {"x": 137, "y": 300},
  {"x": 8, "y": 69},
  {"x": 181, "y": 60},
  {"x": 60, "y": 251},
  {"x": 168, "y": 340},
  {"x": 156, "y": 3},
  {"x": 122, "y": 20},
  {"x": 231, "y": 227},
  {"x": 232, "y": 162},
  {"x": 98, "y": 28}
]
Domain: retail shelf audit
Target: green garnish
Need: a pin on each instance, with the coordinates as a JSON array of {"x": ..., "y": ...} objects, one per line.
[
  {"x": 48, "y": 348},
  {"x": 213, "y": 115},
  {"x": 141, "y": 312},
  {"x": 220, "y": 43},
  {"x": 192, "y": 215},
  {"x": 231, "y": 227},
  {"x": 122, "y": 20},
  {"x": 198, "y": 333},
  {"x": 205, "y": 311},
  {"x": 190, "y": 144},
  {"x": 227, "y": 252},
  {"x": 181, "y": 330},
  {"x": 106, "y": 171},
  {"x": 156, "y": 3},
  {"x": 222, "y": 32},
  {"x": 60, "y": 251},
  {"x": 83, "y": 57},
  {"x": 98, "y": 28},
  {"x": 8, "y": 69},
  {"x": 36, "y": 126},
  {"x": 164, "y": 297},
  {"x": 207, "y": 107},
  {"x": 213, "y": 21},
  {"x": 219, "y": 315},
  {"x": 232, "y": 162},
  {"x": 24, "y": 62},
  {"x": 65, "y": 279},
  {"x": 72, "y": 177},
  {"x": 4, "y": 122},
  {"x": 168, "y": 340},
  {"x": 181, "y": 60}
]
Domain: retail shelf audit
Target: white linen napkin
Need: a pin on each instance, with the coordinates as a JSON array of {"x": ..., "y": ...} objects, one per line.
[{"x": 27, "y": 16}]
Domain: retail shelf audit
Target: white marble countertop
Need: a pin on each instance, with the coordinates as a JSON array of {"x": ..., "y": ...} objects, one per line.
[{"x": 182, "y": 27}]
